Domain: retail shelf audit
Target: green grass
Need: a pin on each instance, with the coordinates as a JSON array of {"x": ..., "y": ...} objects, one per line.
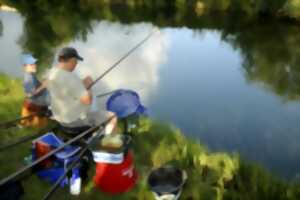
[{"x": 211, "y": 176}]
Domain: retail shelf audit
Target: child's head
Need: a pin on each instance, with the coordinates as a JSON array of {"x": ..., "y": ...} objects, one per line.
[{"x": 29, "y": 63}]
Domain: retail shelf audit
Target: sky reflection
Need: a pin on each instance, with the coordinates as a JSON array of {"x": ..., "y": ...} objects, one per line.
[
  {"x": 191, "y": 78},
  {"x": 109, "y": 42}
]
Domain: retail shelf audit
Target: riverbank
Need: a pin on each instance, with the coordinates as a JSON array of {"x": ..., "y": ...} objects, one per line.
[{"x": 212, "y": 176}]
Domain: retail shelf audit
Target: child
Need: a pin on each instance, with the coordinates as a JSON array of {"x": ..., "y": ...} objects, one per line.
[{"x": 36, "y": 96}]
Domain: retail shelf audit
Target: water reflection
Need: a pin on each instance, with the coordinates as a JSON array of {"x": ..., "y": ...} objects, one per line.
[
  {"x": 46, "y": 25},
  {"x": 271, "y": 56},
  {"x": 109, "y": 42},
  {"x": 206, "y": 84},
  {"x": 205, "y": 93},
  {"x": 275, "y": 68},
  {"x": 10, "y": 51}
]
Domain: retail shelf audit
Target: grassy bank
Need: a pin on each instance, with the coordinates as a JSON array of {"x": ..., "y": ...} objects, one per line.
[{"x": 211, "y": 176}]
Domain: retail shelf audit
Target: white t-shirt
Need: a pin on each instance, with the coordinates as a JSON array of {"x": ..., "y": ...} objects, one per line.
[{"x": 66, "y": 89}]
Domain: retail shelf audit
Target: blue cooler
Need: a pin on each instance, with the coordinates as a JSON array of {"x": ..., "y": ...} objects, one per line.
[{"x": 55, "y": 166}]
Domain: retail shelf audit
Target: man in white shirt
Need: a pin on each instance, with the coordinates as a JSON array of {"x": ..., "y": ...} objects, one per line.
[{"x": 71, "y": 97}]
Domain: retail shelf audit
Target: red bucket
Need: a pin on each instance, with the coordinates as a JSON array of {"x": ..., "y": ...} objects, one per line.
[{"x": 116, "y": 178}]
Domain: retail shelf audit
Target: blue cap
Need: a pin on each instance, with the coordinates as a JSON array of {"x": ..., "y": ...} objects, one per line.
[{"x": 28, "y": 59}]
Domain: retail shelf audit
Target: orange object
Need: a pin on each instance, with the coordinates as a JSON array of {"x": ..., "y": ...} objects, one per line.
[
  {"x": 29, "y": 109},
  {"x": 116, "y": 178}
]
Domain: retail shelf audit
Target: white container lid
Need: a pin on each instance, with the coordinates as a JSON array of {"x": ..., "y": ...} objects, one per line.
[{"x": 104, "y": 157}]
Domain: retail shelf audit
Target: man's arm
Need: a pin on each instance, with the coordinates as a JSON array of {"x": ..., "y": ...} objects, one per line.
[{"x": 88, "y": 98}]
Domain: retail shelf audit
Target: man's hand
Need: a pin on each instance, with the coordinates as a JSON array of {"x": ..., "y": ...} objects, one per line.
[
  {"x": 87, "y": 99},
  {"x": 88, "y": 81}
]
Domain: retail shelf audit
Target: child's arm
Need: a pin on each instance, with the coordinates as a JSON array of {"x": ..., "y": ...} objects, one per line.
[{"x": 42, "y": 87}]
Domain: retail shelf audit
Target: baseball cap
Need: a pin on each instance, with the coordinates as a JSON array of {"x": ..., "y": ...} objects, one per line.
[
  {"x": 69, "y": 52},
  {"x": 28, "y": 59}
]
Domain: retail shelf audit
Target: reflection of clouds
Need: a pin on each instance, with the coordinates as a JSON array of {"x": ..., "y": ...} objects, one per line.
[
  {"x": 109, "y": 42},
  {"x": 10, "y": 51}
]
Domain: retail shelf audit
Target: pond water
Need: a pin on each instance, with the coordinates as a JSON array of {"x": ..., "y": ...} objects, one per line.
[{"x": 233, "y": 87}]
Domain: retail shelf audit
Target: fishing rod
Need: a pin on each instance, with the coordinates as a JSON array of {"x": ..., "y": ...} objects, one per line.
[
  {"x": 41, "y": 159},
  {"x": 95, "y": 81},
  {"x": 7, "y": 123},
  {"x": 106, "y": 94},
  {"x": 40, "y": 133},
  {"x": 113, "y": 91},
  {"x": 72, "y": 165},
  {"x": 121, "y": 59},
  {"x": 11, "y": 122},
  {"x": 25, "y": 139},
  {"x": 20, "y": 141}
]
